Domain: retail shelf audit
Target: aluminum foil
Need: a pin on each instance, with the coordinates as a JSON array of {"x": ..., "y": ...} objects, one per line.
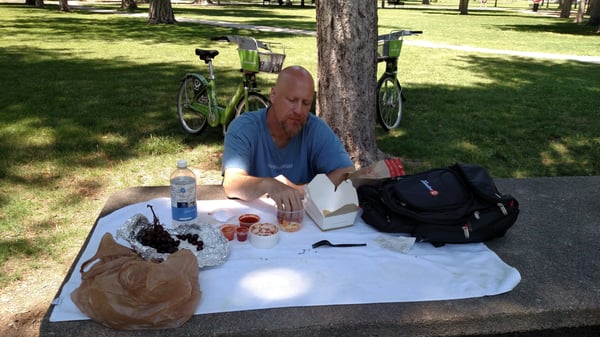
[{"x": 216, "y": 246}]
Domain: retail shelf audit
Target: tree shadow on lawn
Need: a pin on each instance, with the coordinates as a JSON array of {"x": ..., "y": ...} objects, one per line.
[{"x": 85, "y": 113}]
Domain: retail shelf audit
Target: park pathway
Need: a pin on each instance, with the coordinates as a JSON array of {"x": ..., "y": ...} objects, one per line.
[{"x": 420, "y": 43}]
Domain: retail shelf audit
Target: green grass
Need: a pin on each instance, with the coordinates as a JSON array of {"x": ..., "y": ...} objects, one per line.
[{"x": 87, "y": 105}]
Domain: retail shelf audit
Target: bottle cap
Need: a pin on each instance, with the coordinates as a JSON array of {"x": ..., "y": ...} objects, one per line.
[{"x": 181, "y": 163}]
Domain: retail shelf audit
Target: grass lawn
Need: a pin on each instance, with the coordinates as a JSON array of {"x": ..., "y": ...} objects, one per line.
[{"x": 88, "y": 107}]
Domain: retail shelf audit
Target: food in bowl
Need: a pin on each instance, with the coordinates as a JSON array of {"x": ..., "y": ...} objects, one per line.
[
  {"x": 264, "y": 235},
  {"x": 290, "y": 226}
]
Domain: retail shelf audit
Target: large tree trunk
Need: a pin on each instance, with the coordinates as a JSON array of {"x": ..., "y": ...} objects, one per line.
[
  {"x": 565, "y": 11},
  {"x": 347, "y": 74},
  {"x": 463, "y": 7},
  {"x": 161, "y": 11}
]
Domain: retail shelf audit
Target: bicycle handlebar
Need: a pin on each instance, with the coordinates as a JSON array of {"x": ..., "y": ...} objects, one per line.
[
  {"x": 394, "y": 35},
  {"x": 242, "y": 41}
]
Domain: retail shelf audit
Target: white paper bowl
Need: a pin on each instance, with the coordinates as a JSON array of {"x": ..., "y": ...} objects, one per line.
[{"x": 263, "y": 235}]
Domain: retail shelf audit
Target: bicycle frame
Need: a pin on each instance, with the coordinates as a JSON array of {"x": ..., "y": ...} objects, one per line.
[
  {"x": 391, "y": 65},
  {"x": 216, "y": 114}
]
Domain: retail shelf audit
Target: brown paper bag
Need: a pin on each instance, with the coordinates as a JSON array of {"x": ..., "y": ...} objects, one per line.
[
  {"x": 377, "y": 172},
  {"x": 123, "y": 291}
]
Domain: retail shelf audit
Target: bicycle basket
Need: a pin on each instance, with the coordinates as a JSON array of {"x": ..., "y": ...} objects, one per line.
[
  {"x": 271, "y": 62},
  {"x": 389, "y": 48},
  {"x": 249, "y": 59},
  {"x": 267, "y": 60}
]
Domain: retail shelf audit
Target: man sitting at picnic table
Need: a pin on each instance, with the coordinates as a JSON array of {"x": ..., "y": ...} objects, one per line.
[{"x": 277, "y": 150}]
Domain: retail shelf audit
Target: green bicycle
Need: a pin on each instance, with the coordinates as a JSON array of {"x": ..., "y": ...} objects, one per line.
[
  {"x": 197, "y": 104},
  {"x": 389, "y": 90}
]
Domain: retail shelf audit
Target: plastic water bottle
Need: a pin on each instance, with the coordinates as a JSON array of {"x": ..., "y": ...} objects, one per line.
[{"x": 183, "y": 195}]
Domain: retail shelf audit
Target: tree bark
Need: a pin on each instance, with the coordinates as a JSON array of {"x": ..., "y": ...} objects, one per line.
[
  {"x": 463, "y": 7},
  {"x": 161, "y": 11},
  {"x": 347, "y": 74}
]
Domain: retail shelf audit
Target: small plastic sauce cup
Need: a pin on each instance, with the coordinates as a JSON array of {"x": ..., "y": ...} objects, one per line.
[
  {"x": 247, "y": 220},
  {"x": 228, "y": 231},
  {"x": 242, "y": 233}
]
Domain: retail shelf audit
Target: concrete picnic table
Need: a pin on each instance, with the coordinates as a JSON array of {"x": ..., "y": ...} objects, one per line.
[{"x": 555, "y": 245}]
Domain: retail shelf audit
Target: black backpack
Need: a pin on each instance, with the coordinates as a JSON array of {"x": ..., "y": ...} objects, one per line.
[{"x": 456, "y": 204}]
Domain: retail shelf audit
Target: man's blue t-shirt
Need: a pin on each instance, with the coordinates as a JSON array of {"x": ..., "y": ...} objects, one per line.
[{"x": 316, "y": 149}]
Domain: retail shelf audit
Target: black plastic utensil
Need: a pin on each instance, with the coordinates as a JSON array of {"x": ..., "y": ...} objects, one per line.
[{"x": 327, "y": 243}]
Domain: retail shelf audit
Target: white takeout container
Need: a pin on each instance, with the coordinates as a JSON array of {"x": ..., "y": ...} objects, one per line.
[{"x": 331, "y": 209}]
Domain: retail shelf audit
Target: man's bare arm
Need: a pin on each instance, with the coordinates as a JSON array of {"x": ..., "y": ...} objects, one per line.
[{"x": 238, "y": 184}]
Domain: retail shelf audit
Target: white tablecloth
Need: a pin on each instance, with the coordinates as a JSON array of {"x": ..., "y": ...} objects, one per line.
[{"x": 294, "y": 274}]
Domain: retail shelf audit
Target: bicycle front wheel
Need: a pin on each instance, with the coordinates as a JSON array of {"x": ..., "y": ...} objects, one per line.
[
  {"x": 255, "y": 101},
  {"x": 192, "y": 90},
  {"x": 389, "y": 102}
]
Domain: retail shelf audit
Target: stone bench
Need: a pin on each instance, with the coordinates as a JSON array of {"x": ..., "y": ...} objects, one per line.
[{"x": 554, "y": 245}]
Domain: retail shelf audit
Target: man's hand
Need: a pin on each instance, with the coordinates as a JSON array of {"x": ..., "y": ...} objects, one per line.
[
  {"x": 238, "y": 184},
  {"x": 286, "y": 194},
  {"x": 340, "y": 175}
]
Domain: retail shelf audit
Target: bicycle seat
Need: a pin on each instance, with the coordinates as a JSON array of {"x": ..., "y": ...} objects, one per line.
[{"x": 205, "y": 54}]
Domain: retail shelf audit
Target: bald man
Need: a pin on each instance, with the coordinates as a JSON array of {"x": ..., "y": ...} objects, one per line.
[{"x": 277, "y": 150}]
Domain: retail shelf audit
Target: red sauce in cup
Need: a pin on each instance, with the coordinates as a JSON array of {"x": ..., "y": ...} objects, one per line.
[{"x": 247, "y": 220}]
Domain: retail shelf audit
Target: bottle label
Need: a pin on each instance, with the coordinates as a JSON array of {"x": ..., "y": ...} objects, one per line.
[{"x": 183, "y": 201}]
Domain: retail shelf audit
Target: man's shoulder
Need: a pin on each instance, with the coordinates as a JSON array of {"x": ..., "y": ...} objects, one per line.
[{"x": 253, "y": 115}]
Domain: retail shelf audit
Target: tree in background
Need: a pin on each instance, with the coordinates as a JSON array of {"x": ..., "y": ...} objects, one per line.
[
  {"x": 595, "y": 14},
  {"x": 128, "y": 5},
  {"x": 161, "y": 11},
  {"x": 463, "y": 7},
  {"x": 347, "y": 74},
  {"x": 63, "y": 5},
  {"x": 565, "y": 10}
]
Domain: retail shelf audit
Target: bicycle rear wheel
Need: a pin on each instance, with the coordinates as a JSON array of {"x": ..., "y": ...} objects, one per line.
[
  {"x": 192, "y": 90},
  {"x": 389, "y": 102},
  {"x": 255, "y": 101}
]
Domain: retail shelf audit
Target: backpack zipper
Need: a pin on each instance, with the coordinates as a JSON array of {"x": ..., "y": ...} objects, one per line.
[
  {"x": 502, "y": 208},
  {"x": 466, "y": 230}
]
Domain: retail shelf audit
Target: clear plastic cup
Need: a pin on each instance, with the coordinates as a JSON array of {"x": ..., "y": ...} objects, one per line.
[{"x": 290, "y": 221}]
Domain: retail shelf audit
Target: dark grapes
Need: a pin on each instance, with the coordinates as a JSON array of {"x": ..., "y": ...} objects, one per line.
[
  {"x": 157, "y": 237},
  {"x": 193, "y": 239}
]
